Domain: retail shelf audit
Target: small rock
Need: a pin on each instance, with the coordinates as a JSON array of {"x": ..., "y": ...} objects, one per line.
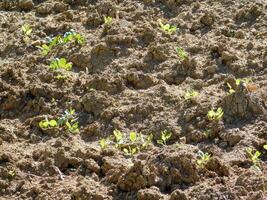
[
  {"x": 44, "y": 9},
  {"x": 26, "y": 4},
  {"x": 211, "y": 69},
  {"x": 178, "y": 195},
  {"x": 60, "y": 7}
]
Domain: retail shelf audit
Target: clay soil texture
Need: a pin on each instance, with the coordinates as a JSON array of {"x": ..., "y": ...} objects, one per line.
[{"x": 154, "y": 67}]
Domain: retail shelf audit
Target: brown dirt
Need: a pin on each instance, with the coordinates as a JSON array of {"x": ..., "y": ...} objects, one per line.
[{"x": 129, "y": 77}]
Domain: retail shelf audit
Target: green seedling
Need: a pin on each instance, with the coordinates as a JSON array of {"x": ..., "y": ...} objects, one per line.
[
  {"x": 70, "y": 121},
  {"x": 130, "y": 151},
  {"x": 215, "y": 115},
  {"x": 72, "y": 35},
  {"x": 119, "y": 138},
  {"x": 60, "y": 64},
  {"x": 203, "y": 159},
  {"x": 44, "y": 124},
  {"x": 190, "y": 94},
  {"x": 55, "y": 41},
  {"x": 181, "y": 53},
  {"x": 72, "y": 126},
  {"x": 265, "y": 146},
  {"x": 165, "y": 136},
  {"x": 103, "y": 143},
  {"x": 147, "y": 141},
  {"x": 129, "y": 144},
  {"x": 26, "y": 29},
  {"x": 244, "y": 81},
  {"x": 254, "y": 156},
  {"x": 12, "y": 173},
  {"x": 167, "y": 27},
  {"x": 108, "y": 20},
  {"x": 45, "y": 49}
]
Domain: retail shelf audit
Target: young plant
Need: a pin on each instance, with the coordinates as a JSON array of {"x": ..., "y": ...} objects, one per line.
[
  {"x": 254, "y": 156},
  {"x": 103, "y": 143},
  {"x": 70, "y": 121},
  {"x": 72, "y": 35},
  {"x": 44, "y": 124},
  {"x": 238, "y": 81},
  {"x": 181, "y": 53},
  {"x": 165, "y": 136},
  {"x": 27, "y": 30},
  {"x": 190, "y": 94},
  {"x": 60, "y": 64},
  {"x": 72, "y": 126},
  {"x": 45, "y": 49},
  {"x": 108, "y": 20},
  {"x": 130, "y": 151},
  {"x": 203, "y": 159},
  {"x": 215, "y": 115},
  {"x": 167, "y": 27},
  {"x": 119, "y": 138},
  {"x": 12, "y": 173},
  {"x": 147, "y": 141}
]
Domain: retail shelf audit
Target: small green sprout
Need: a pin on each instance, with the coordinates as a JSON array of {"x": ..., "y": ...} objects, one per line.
[
  {"x": 203, "y": 159},
  {"x": 181, "y": 53},
  {"x": 147, "y": 142},
  {"x": 165, "y": 136},
  {"x": 45, "y": 49},
  {"x": 72, "y": 35},
  {"x": 72, "y": 126},
  {"x": 119, "y": 138},
  {"x": 254, "y": 156},
  {"x": 265, "y": 146},
  {"x": 108, "y": 20},
  {"x": 44, "y": 124},
  {"x": 26, "y": 30},
  {"x": 133, "y": 136},
  {"x": 12, "y": 173},
  {"x": 60, "y": 64},
  {"x": 167, "y": 27},
  {"x": 130, "y": 150},
  {"x": 103, "y": 143},
  {"x": 238, "y": 81},
  {"x": 215, "y": 115},
  {"x": 55, "y": 41},
  {"x": 69, "y": 119},
  {"x": 190, "y": 94}
]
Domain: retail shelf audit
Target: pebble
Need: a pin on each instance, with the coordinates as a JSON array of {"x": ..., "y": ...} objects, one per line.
[{"x": 26, "y": 4}]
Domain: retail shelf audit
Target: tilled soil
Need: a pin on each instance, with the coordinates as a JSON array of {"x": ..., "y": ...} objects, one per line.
[{"x": 128, "y": 76}]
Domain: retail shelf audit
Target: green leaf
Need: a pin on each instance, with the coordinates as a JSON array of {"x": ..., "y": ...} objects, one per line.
[
  {"x": 126, "y": 151},
  {"x": 160, "y": 142},
  {"x": 103, "y": 143},
  {"x": 44, "y": 124},
  {"x": 53, "y": 123},
  {"x": 134, "y": 150},
  {"x": 68, "y": 125},
  {"x": 62, "y": 62},
  {"x": 118, "y": 135},
  {"x": 265, "y": 146},
  {"x": 132, "y": 136}
]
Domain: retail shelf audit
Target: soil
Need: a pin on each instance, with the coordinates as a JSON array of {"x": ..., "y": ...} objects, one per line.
[{"x": 128, "y": 76}]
